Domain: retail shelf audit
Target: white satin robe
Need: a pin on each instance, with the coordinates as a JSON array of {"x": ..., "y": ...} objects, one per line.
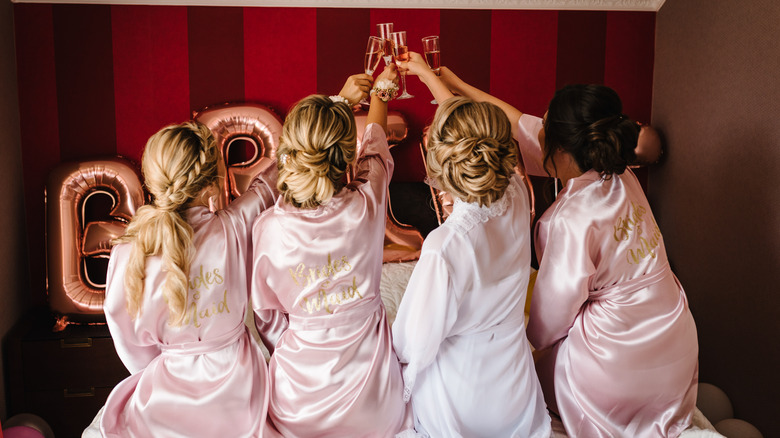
[
  {"x": 208, "y": 377},
  {"x": 333, "y": 372},
  {"x": 460, "y": 328},
  {"x": 619, "y": 347}
]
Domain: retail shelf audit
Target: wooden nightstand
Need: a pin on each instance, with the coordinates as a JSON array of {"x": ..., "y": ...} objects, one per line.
[{"x": 63, "y": 377}]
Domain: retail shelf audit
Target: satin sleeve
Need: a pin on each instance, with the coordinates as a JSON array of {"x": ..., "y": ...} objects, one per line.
[
  {"x": 270, "y": 316},
  {"x": 263, "y": 296},
  {"x": 270, "y": 325},
  {"x": 426, "y": 316},
  {"x": 562, "y": 282},
  {"x": 134, "y": 350},
  {"x": 374, "y": 166},
  {"x": 259, "y": 196},
  {"x": 528, "y": 142}
]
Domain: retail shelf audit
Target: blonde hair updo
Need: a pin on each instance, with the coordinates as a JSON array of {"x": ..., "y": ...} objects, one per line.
[
  {"x": 317, "y": 145},
  {"x": 178, "y": 163},
  {"x": 471, "y": 150}
]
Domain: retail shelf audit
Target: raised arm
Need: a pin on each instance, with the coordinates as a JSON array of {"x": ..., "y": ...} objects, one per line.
[
  {"x": 356, "y": 88},
  {"x": 377, "y": 112},
  {"x": 458, "y": 86},
  {"x": 417, "y": 66}
]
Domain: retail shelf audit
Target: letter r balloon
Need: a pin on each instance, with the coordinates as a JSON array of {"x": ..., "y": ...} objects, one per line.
[{"x": 248, "y": 136}]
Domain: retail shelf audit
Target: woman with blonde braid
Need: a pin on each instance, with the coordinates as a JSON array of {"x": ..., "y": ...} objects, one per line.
[
  {"x": 460, "y": 331},
  {"x": 319, "y": 259},
  {"x": 176, "y": 296}
]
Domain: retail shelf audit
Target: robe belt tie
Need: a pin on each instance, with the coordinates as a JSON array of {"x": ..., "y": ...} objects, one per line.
[
  {"x": 628, "y": 287},
  {"x": 341, "y": 317},
  {"x": 203, "y": 347}
]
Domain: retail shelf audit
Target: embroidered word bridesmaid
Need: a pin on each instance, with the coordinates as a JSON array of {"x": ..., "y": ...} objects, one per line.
[
  {"x": 618, "y": 346},
  {"x": 319, "y": 258},
  {"x": 176, "y": 297},
  {"x": 460, "y": 328}
]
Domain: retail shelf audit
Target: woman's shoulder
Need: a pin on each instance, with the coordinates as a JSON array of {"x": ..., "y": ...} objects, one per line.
[
  {"x": 120, "y": 252},
  {"x": 591, "y": 198}
]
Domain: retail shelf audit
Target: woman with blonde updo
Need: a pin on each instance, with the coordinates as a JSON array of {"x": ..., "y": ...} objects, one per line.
[
  {"x": 617, "y": 350},
  {"x": 460, "y": 328},
  {"x": 319, "y": 259},
  {"x": 176, "y": 296}
]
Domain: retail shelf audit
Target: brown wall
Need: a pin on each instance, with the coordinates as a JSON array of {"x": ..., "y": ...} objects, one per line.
[
  {"x": 13, "y": 258},
  {"x": 716, "y": 97}
]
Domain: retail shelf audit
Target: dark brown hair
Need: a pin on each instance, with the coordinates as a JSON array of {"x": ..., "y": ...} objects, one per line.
[{"x": 587, "y": 121}]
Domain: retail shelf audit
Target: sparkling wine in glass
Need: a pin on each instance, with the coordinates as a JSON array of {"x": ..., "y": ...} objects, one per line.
[
  {"x": 374, "y": 52},
  {"x": 401, "y": 54},
  {"x": 432, "y": 54},
  {"x": 384, "y": 30}
]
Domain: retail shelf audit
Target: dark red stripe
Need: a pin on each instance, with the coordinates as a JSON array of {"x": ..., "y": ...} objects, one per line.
[
  {"x": 581, "y": 42},
  {"x": 216, "y": 55},
  {"x": 629, "y": 58},
  {"x": 523, "y": 58},
  {"x": 85, "y": 80},
  {"x": 628, "y": 65},
  {"x": 151, "y": 83},
  {"x": 466, "y": 42},
  {"x": 280, "y": 66},
  {"x": 39, "y": 124},
  {"x": 418, "y": 110},
  {"x": 341, "y": 44}
]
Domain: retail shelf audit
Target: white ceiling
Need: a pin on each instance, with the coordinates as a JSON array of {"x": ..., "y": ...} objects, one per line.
[{"x": 600, "y": 5}]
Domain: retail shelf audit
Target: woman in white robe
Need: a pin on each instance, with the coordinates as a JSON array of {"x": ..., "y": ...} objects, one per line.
[{"x": 460, "y": 328}]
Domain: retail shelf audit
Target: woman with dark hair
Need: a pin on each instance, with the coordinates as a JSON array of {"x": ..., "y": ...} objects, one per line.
[{"x": 617, "y": 350}]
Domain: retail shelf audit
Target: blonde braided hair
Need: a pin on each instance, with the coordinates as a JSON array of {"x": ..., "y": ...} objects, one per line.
[{"x": 178, "y": 163}]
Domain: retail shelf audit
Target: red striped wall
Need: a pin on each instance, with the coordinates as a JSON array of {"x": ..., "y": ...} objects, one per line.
[
  {"x": 151, "y": 73},
  {"x": 99, "y": 80}
]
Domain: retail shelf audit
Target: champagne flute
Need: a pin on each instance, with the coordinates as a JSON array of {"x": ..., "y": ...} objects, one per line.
[
  {"x": 401, "y": 54},
  {"x": 432, "y": 55},
  {"x": 385, "y": 29},
  {"x": 374, "y": 51}
]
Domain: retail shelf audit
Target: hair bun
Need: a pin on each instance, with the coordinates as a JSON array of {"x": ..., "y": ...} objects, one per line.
[
  {"x": 611, "y": 142},
  {"x": 471, "y": 152},
  {"x": 319, "y": 138},
  {"x": 587, "y": 121}
]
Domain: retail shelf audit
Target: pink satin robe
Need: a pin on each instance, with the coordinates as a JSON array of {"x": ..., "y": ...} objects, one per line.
[
  {"x": 460, "y": 328},
  {"x": 619, "y": 346},
  {"x": 208, "y": 377},
  {"x": 333, "y": 372}
]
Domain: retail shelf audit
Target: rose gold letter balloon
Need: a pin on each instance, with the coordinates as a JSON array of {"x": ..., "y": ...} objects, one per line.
[
  {"x": 88, "y": 204},
  {"x": 248, "y": 136}
]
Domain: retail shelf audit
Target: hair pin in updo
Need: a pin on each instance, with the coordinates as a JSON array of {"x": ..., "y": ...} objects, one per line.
[{"x": 283, "y": 159}]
